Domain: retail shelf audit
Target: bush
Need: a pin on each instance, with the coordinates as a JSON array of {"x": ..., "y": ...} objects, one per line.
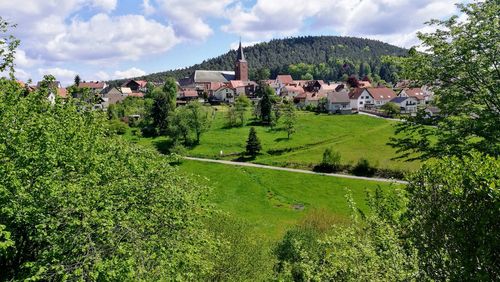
[
  {"x": 149, "y": 131},
  {"x": 330, "y": 161},
  {"x": 363, "y": 168},
  {"x": 115, "y": 126}
]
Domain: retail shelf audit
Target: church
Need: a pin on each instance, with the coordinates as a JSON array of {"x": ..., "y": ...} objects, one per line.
[{"x": 210, "y": 80}]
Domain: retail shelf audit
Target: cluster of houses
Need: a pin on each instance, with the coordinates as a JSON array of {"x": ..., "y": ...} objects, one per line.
[{"x": 216, "y": 87}]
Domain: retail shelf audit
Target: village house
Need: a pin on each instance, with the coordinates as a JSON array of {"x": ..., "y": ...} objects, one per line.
[
  {"x": 136, "y": 85},
  {"x": 408, "y": 105},
  {"x": 291, "y": 91},
  {"x": 97, "y": 87},
  {"x": 416, "y": 93},
  {"x": 187, "y": 94},
  {"x": 380, "y": 95},
  {"x": 339, "y": 102},
  {"x": 224, "y": 94},
  {"x": 360, "y": 98}
]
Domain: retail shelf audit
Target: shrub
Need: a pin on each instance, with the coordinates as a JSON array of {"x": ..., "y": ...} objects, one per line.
[
  {"x": 363, "y": 168},
  {"x": 330, "y": 161},
  {"x": 115, "y": 126}
]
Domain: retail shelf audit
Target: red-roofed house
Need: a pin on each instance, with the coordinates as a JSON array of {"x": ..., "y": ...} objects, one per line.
[
  {"x": 188, "y": 94},
  {"x": 284, "y": 79},
  {"x": 136, "y": 85},
  {"x": 364, "y": 84},
  {"x": 362, "y": 98},
  {"x": 290, "y": 91},
  {"x": 416, "y": 93},
  {"x": 225, "y": 94},
  {"x": 381, "y": 95}
]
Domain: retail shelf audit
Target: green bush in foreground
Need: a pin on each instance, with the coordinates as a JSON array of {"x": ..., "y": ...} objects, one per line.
[{"x": 76, "y": 204}]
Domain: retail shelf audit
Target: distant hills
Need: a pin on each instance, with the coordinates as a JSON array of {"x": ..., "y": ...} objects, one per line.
[{"x": 338, "y": 56}]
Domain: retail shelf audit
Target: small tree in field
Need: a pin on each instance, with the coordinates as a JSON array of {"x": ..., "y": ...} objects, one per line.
[
  {"x": 330, "y": 161},
  {"x": 289, "y": 118},
  {"x": 253, "y": 143}
]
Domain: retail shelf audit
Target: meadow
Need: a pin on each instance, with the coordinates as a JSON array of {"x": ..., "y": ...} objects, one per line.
[
  {"x": 353, "y": 136},
  {"x": 271, "y": 206}
]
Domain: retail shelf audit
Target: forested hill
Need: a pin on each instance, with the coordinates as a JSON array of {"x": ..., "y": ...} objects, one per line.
[{"x": 277, "y": 55}]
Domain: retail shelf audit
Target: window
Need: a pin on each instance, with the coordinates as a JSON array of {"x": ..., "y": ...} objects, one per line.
[{"x": 361, "y": 102}]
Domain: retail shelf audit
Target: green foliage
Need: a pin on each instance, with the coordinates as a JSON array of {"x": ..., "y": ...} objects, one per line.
[
  {"x": 368, "y": 250},
  {"x": 266, "y": 104},
  {"x": 327, "y": 59},
  {"x": 330, "y": 161},
  {"x": 363, "y": 168},
  {"x": 454, "y": 217},
  {"x": 8, "y": 45},
  {"x": 289, "y": 118},
  {"x": 322, "y": 105},
  {"x": 164, "y": 102},
  {"x": 461, "y": 67},
  {"x": 253, "y": 143},
  {"x": 189, "y": 123},
  {"x": 241, "y": 105},
  {"x": 115, "y": 126},
  {"x": 198, "y": 119},
  {"x": 76, "y": 204},
  {"x": 391, "y": 109},
  {"x": 232, "y": 119},
  {"x": 260, "y": 74},
  {"x": 241, "y": 254}
]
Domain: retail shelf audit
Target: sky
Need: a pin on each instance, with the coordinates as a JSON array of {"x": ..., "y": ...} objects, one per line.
[{"x": 111, "y": 39}]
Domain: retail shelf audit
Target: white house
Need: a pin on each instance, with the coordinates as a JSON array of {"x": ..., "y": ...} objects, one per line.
[
  {"x": 360, "y": 98},
  {"x": 225, "y": 94},
  {"x": 339, "y": 102},
  {"x": 406, "y": 104},
  {"x": 416, "y": 93},
  {"x": 380, "y": 95}
]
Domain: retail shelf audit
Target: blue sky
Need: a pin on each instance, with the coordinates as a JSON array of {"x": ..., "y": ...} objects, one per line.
[{"x": 107, "y": 39}]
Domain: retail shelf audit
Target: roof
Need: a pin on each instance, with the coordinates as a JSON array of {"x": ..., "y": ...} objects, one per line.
[
  {"x": 381, "y": 93},
  {"x": 327, "y": 87},
  {"x": 364, "y": 84},
  {"x": 236, "y": 83},
  {"x": 355, "y": 93},
  {"x": 215, "y": 85},
  {"x": 62, "y": 92},
  {"x": 189, "y": 93},
  {"x": 240, "y": 55},
  {"x": 125, "y": 90},
  {"x": 313, "y": 96},
  {"x": 415, "y": 92},
  {"x": 338, "y": 97},
  {"x": 136, "y": 94},
  {"x": 284, "y": 78},
  {"x": 92, "y": 84},
  {"x": 213, "y": 76},
  {"x": 142, "y": 83},
  {"x": 291, "y": 88},
  {"x": 399, "y": 100}
]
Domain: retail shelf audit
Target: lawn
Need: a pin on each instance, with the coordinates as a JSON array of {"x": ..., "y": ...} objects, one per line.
[{"x": 272, "y": 201}]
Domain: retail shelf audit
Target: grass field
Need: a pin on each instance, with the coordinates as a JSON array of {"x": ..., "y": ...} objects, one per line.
[
  {"x": 353, "y": 136},
  {"x": 272, "y": 206}
]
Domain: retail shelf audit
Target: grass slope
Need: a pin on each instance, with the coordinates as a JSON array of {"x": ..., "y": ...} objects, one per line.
[
  {"x": 354, "y": 136},
  {"x": 273, "y": 200}
]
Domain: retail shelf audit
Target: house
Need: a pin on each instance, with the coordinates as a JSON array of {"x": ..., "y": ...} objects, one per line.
[
  {"x": 407, "y": 104},
  {"x": 339, "y": 102},
  {"x": 96, "y": 87},
  {"x": 312, "y": 98},
  {"x": 136, "y": 85},
  {"x": 291, "y": 91},
  {"x": 187, "y": 94},
  {"x": 284, "y": 79},
  {"x": 314, "y": 85},
  {"x": 225, "y": 94},
  {"x": 364, "y": 84},
  {"x": 380, "y": 95},
  {"x": 114, "y": 95},
  {"x": 360, "y": 98},
  {"x": 125, "y": 90},
  {"x": 416, "y": 93}
]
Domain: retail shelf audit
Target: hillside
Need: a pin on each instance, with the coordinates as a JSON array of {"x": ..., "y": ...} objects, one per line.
[{"x": 338, "y": 54}]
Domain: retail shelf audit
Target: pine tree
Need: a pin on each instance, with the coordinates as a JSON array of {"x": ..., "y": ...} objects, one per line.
[{"x": 253, "y": 143}]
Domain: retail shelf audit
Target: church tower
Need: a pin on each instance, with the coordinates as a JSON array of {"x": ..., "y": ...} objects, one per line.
[{"x": 241, "y": 66}]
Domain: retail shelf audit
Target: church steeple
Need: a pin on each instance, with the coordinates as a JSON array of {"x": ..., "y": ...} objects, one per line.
[{"x": 241, "y": 65}]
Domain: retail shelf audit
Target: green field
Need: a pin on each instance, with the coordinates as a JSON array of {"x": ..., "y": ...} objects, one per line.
[
  {"x": 353, "y": 136},
  {"x": 273, "y": 200}
]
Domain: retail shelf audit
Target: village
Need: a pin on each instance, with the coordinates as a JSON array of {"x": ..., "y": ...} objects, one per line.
[{"x": 213, "y": 87}]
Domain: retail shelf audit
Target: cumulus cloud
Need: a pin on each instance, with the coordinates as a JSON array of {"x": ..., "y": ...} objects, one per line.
[
  {"x": 395, "y": 21},
  {"x": 189, "y": 17},
  {"x": 132, "y": 72},
  {"x": 147, "y": 7},
  {"x": 105, "y": 38},
  {"x": 65, "y": 76}
]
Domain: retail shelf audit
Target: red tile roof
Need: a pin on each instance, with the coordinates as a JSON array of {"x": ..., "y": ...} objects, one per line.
[
  {"x": 355, "y": 93},
  {"x": 415, "y": 92},
  {"x": 136, "y": 94},
  {"x": 284, "y": 78},
  {"x": 291, "y": 88},
  {"x": 92, "y": 84},
  {"x": 236, "y": 83},
  {"x": 381, "y": 93},
  {"x": 364, "y": 84},
  {"x": 142, "y": 83},
  {"x": 189, "y": 93},
  {"x": 62, "y": 92}
]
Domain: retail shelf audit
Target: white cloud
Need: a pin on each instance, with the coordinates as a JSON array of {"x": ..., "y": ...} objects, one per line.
[
  {"x": 132, "y": 72},
  {"x": 65, "y": 76},
  {"x": 189, "y": 17},
  {"x": 147, "y": 7},
  {"x": 105, "y": 38},
  {"x": 106, "y": 5}
]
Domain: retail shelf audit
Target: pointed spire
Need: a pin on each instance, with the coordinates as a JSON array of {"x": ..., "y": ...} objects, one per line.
[{"x": 241, "y": 56}]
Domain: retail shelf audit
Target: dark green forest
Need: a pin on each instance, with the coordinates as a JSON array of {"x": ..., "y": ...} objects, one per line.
[{"x": 323, "y": 57}]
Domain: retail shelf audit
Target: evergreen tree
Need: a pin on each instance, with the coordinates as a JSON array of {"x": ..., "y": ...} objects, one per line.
[
  {"x": 289, "y": 118},
  {"x": 266, "y": 104},
  {"x": 253, "y": 143},
  {"x": 77, "y": 80}
]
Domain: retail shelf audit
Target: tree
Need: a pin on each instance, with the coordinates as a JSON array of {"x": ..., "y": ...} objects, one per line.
[
  {"x": 307, "y": 76},
  {"x": 352, "y": 81},
  {"x": 77, "y": 80},
  {"x": 266, "y": 104},
  {"x": 164, "y": 101},
  {"x": 231, "y": 116},
  {"x": 262, "y": 74},
  {"x": 8, "y": 45},
  {"x": 241, "y": 106},
  {"x": 330, "y": 161},
  {"x": 179, "y": 125},
  {"x": 322, "y": 105},
  {"x": 289, "y": 118},
  {"x": 454, "y": 217},
  {"x": 391, "y": 109},
  {"x": 253, "y": 143},
  {"x": 198, "y": 119},
  {"x": 460, "y": 66},
  {"x": 79, "y": 204}
]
